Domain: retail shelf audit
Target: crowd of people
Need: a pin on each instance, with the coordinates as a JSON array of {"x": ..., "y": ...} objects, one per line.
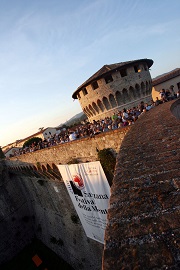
[{"x": 118, "y": 120}]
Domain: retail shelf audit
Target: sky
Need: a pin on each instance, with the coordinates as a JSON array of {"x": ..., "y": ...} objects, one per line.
[{"x": 48, "y": 48}]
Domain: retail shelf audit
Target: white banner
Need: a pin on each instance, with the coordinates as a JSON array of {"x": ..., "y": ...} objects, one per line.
[{"x": 90, "y": 192}]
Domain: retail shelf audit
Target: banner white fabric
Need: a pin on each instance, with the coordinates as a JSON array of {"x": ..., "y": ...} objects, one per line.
[{"x": 90, "y": 192}]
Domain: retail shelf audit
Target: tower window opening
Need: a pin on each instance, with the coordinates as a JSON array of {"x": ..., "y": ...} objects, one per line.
[
  {"x": 137, "y": 68},
  {"x": 123, "y": 72},
  {"x": 84, "y": 91},
  {"x": 95, "y": 85},
  {"x": 108, "y": 79}
]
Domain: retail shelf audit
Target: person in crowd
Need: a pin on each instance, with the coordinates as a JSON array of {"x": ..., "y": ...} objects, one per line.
[
  {"x": 158, "y": 101},
  {"x": 118, "y": 120}
]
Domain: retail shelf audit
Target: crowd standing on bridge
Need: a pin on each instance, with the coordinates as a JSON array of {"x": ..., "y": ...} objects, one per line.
[{"x": 119, "y": 119}]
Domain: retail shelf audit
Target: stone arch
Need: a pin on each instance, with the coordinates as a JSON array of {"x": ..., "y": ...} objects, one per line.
[
  {"x": 131, "y": 93},
  {"x": 56, "y": 172},
  {"x": 50, "y": 171},
  {"x": 137, "y": 88},
  {"x": 100, "y": 105},
  {"x": 44, "y": 169},
  {"x": 33, "y": 171},
  {"x": 85, "y": 112},
  {"x": 106, "y": 103},
  {"x": 28, "y": 170},
  {"x": 95, "y": 107},
  {"x": 125, "y": 95},
  {"x": 143, "y": 89},
  {"x": 112, "y": 101},
  {"x": 34, "y": 168},
  {"x": 92, "y": 110},
  {"x": 118, "y": 98},
  {"x": 88, "y": 112}
]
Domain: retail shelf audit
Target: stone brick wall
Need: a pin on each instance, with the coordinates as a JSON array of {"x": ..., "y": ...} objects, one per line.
[
  {"x": 84, "y": 149},
  {"x": 143, "y": 219},
  {"x": 32, "y": 205}
]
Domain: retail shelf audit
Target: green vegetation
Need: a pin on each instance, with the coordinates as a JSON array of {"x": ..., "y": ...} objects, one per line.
[
  {"x": 74, "y": 122},
  {"x": 38, "y": 165},
  {"x": 73, "y": 161},
  {"x": 32, "y": 140},
  {"x": 108, "y": 162}
]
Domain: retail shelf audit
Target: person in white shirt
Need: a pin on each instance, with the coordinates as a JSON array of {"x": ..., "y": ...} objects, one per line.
[{"x": 72, "y": 136}]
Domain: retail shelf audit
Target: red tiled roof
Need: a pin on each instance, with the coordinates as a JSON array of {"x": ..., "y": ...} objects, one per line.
[
  {"x": 109, "y": 68},
  {"x": 165, "y": 77}
]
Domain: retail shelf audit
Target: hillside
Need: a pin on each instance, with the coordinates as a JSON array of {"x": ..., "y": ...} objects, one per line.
[{"x": 75, "y": 119}]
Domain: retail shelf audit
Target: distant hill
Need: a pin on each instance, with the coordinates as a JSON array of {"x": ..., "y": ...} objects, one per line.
[{"x": 75, "y": 119}]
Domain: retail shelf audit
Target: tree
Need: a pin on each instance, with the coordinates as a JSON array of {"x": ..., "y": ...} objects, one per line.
[
  {"x": 1, "y": 154},
  {"x": 32, "y": 140},
  {"x": 108, "y": 162}
]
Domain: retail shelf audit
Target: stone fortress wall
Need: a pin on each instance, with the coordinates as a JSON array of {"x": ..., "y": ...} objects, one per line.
[
  {"x": 114, "y": 87},
  {"x": 35, "y": 203},
  {"x": 143, "y": 228},
  {"x": 143, "y": 225}
]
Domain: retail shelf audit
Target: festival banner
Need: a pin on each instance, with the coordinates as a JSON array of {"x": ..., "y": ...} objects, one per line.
[{"x": 90, "y": 192}]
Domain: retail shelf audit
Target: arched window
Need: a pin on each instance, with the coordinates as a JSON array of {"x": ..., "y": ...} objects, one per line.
[
  {"x": 112, "y": 101},
  {"x": 100, "y": 105},
  {"x": 143, "y": 90},
  {"x": 50, "y": 171},
  {"x": 44, "y": 168},
  {"x": 125, "y": 95},
  {"x": 131, "y": 93},
  {"x": 108, "y": 78},
  {"x": 85, "y": 111},
  {"x": 92, "y": 110},
  {"x": 89, "y": 112},
  {"x": 56, "y": 172},
  {"x": 118, "y": 98},
  {"x": 138, "y": 93},
  {"x": 95, "y": 107},
  {"x": 106, "y": 103},
  {"x": 94, "y": 85}
]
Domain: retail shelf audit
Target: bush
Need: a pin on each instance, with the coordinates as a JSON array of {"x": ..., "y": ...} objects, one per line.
[
  {"x": 108, "y": 162},
  {"x": 32, "y": 140},
  {"x": 73, "y": 161}
]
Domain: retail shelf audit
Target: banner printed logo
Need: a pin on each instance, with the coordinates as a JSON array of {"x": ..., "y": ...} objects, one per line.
[{"x": 78, "y": 181}]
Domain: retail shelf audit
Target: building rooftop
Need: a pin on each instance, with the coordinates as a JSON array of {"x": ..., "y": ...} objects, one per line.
[
  {"x": 166, "y": 76},
  {"x": 109, "y": 68}
]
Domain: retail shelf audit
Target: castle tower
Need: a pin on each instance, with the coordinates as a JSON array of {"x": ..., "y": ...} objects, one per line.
[{"x": 114, "y": 87}]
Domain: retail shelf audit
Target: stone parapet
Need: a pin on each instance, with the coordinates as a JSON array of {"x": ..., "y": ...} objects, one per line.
[
  {"x": 143, "y": 218},
  {"x": 83, "y": 149}
]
